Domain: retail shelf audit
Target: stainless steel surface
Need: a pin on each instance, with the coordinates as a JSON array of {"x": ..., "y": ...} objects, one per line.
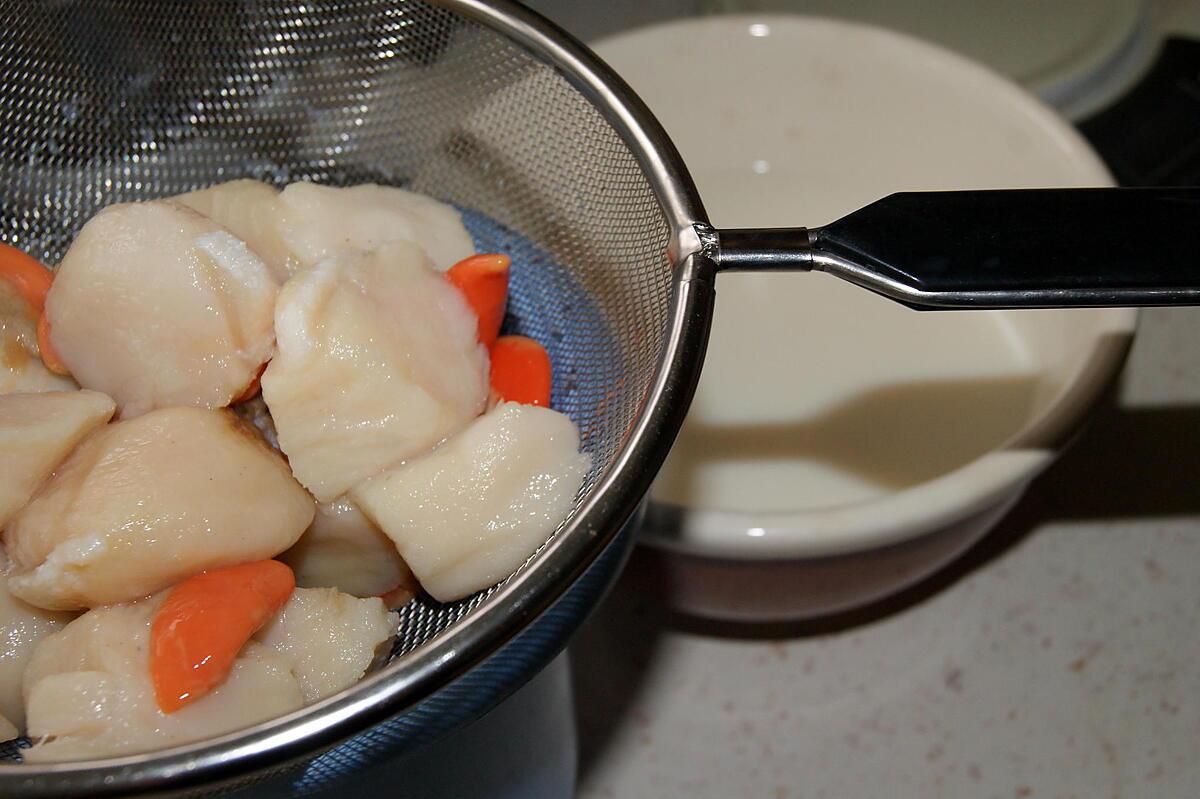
[
  {"x": 761, "y": 249},
  {"x": 482, "y": 104},
  {"x": 799, "y": 250},
  {"x": 859, "y": 275}
]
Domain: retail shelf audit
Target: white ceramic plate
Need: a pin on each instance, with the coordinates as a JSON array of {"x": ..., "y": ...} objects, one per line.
[
  {"x": 829, "y": 420},
  {"x": 1077, "y": 55}
]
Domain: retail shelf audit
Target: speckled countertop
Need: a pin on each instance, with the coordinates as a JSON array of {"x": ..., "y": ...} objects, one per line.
[{"x": 1059, "y": 658}]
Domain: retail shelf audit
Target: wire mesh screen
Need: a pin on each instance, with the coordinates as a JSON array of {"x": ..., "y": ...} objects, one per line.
[{"x": 104, "y": 101}]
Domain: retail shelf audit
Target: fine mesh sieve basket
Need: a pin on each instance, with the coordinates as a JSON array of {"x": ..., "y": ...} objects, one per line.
[
  {"x": 552, "y": 160},
  {"x": 484, "y": 106}
]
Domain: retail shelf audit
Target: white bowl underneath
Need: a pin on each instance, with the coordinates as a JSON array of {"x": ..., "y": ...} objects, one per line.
[{"x": 838, "y": 439}]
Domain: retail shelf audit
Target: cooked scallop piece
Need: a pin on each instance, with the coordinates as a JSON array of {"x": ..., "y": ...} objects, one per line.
[
  {"x": 156, "y": 306},
  {"x": 144, "y": 503},
  {"x": 8, "y": 730},
  {"x": 332, "y": 638},
  {"x": 307, "y": 223},
  {"x": 377, "y": 361},
  {"x": 21, "y": 368},
  {"x": 37, "y": 431},
  {"x": 21, "y": 627},
  {"x": 88, "y": 691},
  {"x": 469, "y": 513},
  {"x": 343, "y": 549},
  {"x": 252, "y": 212},
  {"x": 319, "y": 221},
  {"x": 21, "y": 372}
]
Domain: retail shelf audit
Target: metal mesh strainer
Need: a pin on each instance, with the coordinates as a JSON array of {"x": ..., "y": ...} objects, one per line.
[
  {"x": 553, "y": 159},
  {"x": 111, "y": 100}
]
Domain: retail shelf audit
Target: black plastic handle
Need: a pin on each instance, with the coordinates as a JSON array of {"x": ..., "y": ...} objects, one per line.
[{"x": 1026, "y": 248}]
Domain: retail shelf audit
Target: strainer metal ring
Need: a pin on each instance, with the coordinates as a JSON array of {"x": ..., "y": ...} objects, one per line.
[{"x": 234, "y": 757}]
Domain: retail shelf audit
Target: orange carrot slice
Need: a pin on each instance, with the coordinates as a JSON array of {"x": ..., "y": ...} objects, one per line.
[
  {"x": 203, "y": 624},
  {"x": 521, "y": 371},
  {"x": 483, "y": 281},
  {"x": 27, "y": 275},
  {"x": 50, "y": 356}
]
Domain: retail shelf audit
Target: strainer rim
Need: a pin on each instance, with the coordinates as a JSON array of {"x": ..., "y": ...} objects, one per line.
[{"x": 500, "y": 617}]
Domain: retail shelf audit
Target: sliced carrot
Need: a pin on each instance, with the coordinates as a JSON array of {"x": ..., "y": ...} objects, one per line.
[
  {"x": 27, "y": 275},
  {"x": 50, "y": 356},
  {"x": 521, "y": 371},
  {"x": 204, "y": 622},
  {"x": 483, "y": 281}
]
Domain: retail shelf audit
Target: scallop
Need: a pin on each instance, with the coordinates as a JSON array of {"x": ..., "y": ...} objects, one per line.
[
  {"x": 469, "y": 513},
  {"x": 21, "y": 368},
  {"x": 37, "y": 431},
  {"x": 331, "y": 638},
  {"x": 320, "y": 221},
  {"x": 22, "y": 626},
  {"x": 343, "y": 549},
  {"x": 88, "y": 691},
  {"x": 377, "y": 362},
  {"x": 144, "y": 503},
  {"x": 23, "y": 373},
  {"x": 89, "y": 694},
  {"x": 251, "y": 211},
  {"x": 307, "y": 222},
  {"x": 158, "y": 306}
]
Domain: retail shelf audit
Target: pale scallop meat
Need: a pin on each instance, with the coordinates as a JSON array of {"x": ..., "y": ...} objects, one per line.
[
  {"x": 157, "y": 306},
  {"x": 37, "y": 432},
  {"x": 331, "y": 638},
  {"x": 22, "y": 626},
  {"x": 144, "y": 503},
  {"x": 89, "y": 694},
  {"x": 251, "y": 211},
  {"x": 343, "y": 549},
  {"x": 26, "y": 373},
  {"x": 320, "y": 221},
  {"x": 377, "y": 362},
  {"x": 466, "y": 515}
]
